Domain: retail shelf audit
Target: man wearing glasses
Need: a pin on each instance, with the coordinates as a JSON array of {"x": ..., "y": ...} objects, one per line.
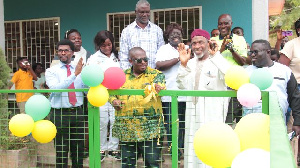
[
  {"x": 67, "y": 113},
  {"x": 284, "y": 84},
  {"x": 141, "y": 33},
  {"x": 138, "y": 119}
]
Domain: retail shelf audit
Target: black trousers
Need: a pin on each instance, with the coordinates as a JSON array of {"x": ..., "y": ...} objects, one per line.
[
  {"x": 235, "y": 111},
  {"x": 69, "y": 123},
  {"x": 150, "y": 151}
]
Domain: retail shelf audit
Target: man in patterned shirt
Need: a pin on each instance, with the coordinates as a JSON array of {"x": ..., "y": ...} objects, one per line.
[
  {"x": 141, "y": 33},
  {"x": 139, "y": 120}
]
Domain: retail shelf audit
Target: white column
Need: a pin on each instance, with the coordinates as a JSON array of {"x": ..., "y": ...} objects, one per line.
[
  {"x": 260, "y": 20},
  {"x": 2, "y": 34}
]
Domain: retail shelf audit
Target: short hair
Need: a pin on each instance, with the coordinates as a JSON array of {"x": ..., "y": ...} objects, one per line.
[
  {"x": 265, "y": 42},
  {"x": 20, "y": 59},
  {"x": 133, "y": 50},
  {"x": 66, "y": 42},
  {"x": 100, "y": 38},
  {"x": 237, "y": 28},
  {"x": 68, "y": 32},
  {"x": 297, "y": 26},
  {"x": 34, "y": 66},
  {"x": 142, "y": 2},
  {"x": 225, "y": 14},
  {"x": 170, "y": 28},
  {"x": 275, "y": 51}
]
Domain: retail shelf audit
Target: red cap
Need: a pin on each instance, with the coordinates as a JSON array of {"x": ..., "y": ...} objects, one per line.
[{"x": 200, "y": 32}]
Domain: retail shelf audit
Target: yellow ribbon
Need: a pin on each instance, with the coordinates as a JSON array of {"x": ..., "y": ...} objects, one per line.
[{"x": 150, "y": 93}]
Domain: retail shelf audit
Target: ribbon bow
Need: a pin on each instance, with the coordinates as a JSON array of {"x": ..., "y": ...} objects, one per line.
[{"x": 150, "y": 93}]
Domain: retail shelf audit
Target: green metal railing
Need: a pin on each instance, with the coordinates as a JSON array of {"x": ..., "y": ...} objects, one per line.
[{"x": 275, "y": 115}]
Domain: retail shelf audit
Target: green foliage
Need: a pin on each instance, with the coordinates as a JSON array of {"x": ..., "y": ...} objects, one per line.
[
  {"x": 7, "y": 140},
  {"x": 286, "y": 19}
]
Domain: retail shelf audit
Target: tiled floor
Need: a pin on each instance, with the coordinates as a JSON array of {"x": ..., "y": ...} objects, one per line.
[{"x": 46, "y": 158}]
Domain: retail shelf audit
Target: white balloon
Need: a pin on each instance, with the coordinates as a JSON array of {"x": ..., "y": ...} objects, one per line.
[{"x": 252, "y": 158}]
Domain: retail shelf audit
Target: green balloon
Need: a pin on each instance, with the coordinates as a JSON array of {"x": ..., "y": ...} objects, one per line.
[
  {"x": 262, "y": 78},
  {"x": 92, "y": 75},
  {"x": 38, "y": 107}
]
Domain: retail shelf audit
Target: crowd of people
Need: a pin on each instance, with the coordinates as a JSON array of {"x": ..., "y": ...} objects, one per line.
[{"x": 129, "y": 127}]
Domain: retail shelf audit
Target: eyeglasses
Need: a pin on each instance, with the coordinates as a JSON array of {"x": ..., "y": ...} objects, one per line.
[
  {"x": 255, "y": 52},
  {"x": 145, "y": 59},
  {"x": 66, "y": 51}
]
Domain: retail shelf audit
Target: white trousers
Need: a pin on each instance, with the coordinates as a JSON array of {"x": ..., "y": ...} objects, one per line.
[{"x": 107, "y": 114}]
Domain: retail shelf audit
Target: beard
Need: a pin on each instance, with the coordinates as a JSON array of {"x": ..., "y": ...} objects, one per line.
[{"x": 199, "y": 56}]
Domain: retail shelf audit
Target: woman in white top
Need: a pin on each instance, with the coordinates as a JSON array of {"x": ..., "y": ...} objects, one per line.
[{"x": 106, "y": 56}]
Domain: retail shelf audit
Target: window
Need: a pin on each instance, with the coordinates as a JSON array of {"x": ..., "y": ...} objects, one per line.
[
  {"x": 188, "y": 18},
  {"x": 35, "y": 39}
]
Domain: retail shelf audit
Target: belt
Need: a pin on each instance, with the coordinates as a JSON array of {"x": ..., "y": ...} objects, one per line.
[{"x": 70, "y": 109}]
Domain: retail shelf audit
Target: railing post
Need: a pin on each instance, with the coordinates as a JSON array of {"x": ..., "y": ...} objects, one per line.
[
  {"x": 94, "y": 136},
  {"x": 265, "y": 102},
  {"x": 175, "y": 122}
]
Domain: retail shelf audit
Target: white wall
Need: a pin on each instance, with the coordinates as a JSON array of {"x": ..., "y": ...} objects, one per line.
[
  {"x": 2, "y": 34},
  {"x": 260, "y": 20}
]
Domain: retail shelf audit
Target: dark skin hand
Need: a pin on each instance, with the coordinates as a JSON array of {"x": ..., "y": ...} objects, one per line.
[
  {"x": 79, "y": 66},
  {"x": 296, "y": 129},
  {"x": 239, "y": 59},
  {"x": 118, "y": 104}
]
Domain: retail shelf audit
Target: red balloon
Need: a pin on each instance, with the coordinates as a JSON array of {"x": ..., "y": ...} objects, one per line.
[{"x": 114, "y": 78}]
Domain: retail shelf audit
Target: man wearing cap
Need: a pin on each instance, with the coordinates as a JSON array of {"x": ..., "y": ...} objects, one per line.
[{"x": 205, "y": 71}]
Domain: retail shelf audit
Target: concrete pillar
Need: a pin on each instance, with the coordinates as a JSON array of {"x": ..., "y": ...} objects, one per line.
[
  {"x": 260, "y": 20},
  {"x": 2, "y": 33}
]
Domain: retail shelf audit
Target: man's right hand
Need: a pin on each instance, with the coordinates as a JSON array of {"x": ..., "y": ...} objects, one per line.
[
  {"x": 118, "y": 104},
  {"x": 184, "y": 55}
]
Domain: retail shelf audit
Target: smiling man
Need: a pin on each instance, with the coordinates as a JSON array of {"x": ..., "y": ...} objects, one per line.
[
  {"x": 138, "y": 120},
  {"x": 231, "y": 46},
  {"x": 67, "y": 113},
  {"x": 203, "y": 72},
  {"x": 284, "y": 84},
  {"x": 141, "y": 33}
]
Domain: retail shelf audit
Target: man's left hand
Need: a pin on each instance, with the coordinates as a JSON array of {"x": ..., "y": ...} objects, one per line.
[{"x": 158, "y": 88}]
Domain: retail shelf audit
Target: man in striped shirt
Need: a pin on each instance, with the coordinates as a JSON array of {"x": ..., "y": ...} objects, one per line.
[{"x": 141, "y": 33}]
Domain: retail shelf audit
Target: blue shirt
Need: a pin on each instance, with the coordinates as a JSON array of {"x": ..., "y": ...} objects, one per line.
[{"x": 56, "y": 78}]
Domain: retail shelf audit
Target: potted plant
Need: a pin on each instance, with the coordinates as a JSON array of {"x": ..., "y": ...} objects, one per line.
[{"x": 14, "y": 151}]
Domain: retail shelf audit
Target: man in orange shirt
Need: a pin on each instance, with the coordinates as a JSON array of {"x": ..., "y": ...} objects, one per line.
[{"x": 23, "y": 80}]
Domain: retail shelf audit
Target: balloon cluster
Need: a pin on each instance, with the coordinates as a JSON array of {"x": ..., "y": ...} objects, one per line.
[
  {"x": 248, "y": 88},
  {"x": 37, "y": 108},
  {"x": 247, "y": 146},
  {"x": 99, "y": 81}
]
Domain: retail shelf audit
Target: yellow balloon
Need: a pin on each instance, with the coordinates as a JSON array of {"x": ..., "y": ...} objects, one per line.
[
  {"x": 236, "y": 76},
  {"x": 98, "y": 95},
  {"x": 21, "y": 125},
  {"x": 216, "y": 144},
  {"x": 44, "y": 131},
  {"x": 254, "y": 131}
]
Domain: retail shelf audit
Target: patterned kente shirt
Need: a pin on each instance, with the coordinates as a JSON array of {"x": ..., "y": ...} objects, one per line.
[{"x": 137, "y": 120}]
